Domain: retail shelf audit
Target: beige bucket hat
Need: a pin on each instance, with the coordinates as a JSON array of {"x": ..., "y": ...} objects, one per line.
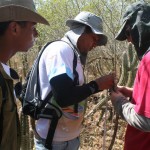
[
  {"x": 91, "y": 20},
  {"x": 20, "y": 10}
]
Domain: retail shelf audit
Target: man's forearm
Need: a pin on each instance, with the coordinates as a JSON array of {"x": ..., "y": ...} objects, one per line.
[{"x": 127, "y": 112}]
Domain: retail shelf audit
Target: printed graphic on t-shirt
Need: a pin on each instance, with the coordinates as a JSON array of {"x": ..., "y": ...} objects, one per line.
[{"x": 70, "y": 113}]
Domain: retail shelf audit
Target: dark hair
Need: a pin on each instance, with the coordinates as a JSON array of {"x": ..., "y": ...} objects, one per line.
[
  {"x": 88, "y": 30},
  {"x": 4, "y": 26},
  {"x": 22, "y": 23}
]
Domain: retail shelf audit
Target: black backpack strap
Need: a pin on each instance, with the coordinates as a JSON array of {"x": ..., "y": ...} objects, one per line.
[
  {"x": 76, "y": 78},
  {"x": 51, "y": 131},
  {"x": 4, "y": 96},
  {"x": 38, "y": 86},
  {"x": 54, "y": 121}
]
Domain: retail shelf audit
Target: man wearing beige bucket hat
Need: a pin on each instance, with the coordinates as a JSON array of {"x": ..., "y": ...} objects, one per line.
[
  {"x": 61, "y": 71},
  {"x": 17, "y": 33}
]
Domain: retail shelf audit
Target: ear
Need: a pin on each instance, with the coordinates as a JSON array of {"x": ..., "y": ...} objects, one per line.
[{"x": 14, "y": 28}]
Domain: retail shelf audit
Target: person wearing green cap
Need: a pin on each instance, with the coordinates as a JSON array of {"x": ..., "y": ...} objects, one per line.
[
  {"x": 18, "y": 19},
  {"x": 61, "y": 71},
  {"x": 136, "y": 29}
]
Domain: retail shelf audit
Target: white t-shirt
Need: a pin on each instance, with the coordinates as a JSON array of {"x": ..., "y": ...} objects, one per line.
[{"x": 57, "y": 59}]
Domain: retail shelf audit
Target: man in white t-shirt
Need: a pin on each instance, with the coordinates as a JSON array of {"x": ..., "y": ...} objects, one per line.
[
  {"x": 18, "y": 19},
  {"x": 56, "y": 74}
]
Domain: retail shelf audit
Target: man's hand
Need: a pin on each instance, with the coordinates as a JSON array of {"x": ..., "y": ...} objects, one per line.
[
  {"x": 106, "y": 82},
  {"x": 116, "y": 96},
  {"x": 126, "y": 91}
]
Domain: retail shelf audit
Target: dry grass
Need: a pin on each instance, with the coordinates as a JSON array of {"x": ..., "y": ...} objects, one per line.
[{"x": 99, "y": 127}]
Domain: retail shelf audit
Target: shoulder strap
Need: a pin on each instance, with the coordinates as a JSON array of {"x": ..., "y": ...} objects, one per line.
[
  {"x": 51, "y": 131},
  {"x": 75, "y": 73},
  {"x": 38, "y": 59},
  {"x": 76, "y": 78},
  {"x": 4, "y": 96}
]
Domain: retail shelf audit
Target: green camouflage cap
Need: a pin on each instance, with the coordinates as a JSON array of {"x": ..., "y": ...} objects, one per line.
[
  {"x": 131, "y": 13},
  {"x": 137, "y": 18}
]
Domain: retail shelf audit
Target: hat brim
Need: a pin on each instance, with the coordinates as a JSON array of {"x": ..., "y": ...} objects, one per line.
[
  {"x": 19, "y": 13},
  {"x": 103, "y": 39},
  {"x": 121, "y": 36}
]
